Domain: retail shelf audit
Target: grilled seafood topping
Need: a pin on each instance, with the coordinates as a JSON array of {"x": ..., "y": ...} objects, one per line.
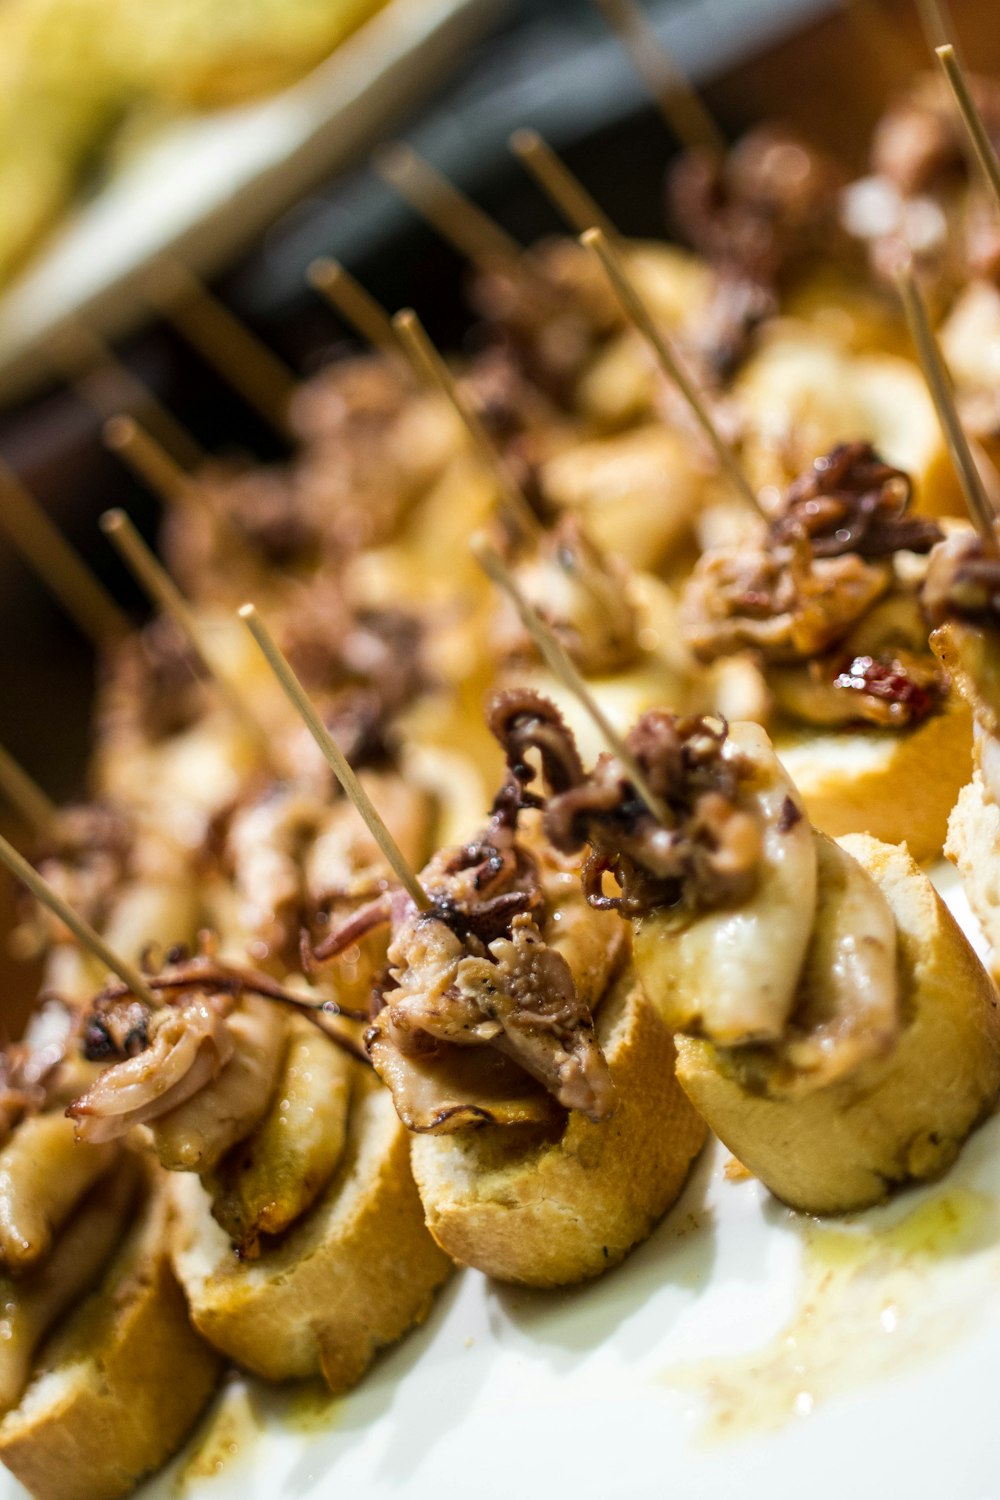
[
  {"x": 708, "y": 854},
  {"x": 504, "y": 968},
  {"x": 551, "y": 312},
  {"x": 754, "y": 215},
  {"x": 963, "y": 582},
  {"x": 917, "y": 203},
  {"x": 851, "y": 500},
  {"x": 821, "y": 600},
  {"x": 208, "y": 1016},
  {"x": 779, "y": 601}
]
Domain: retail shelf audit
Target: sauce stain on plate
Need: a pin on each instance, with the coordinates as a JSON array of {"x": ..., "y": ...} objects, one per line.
[
  {"x": 228, "y": 1432},
  {"x": 307, "y": 1406},
  {"x": 863, "y": 1313}
]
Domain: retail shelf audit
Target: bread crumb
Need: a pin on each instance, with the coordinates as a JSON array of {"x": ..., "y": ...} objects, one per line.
[{"x": 735, "y": 1171}]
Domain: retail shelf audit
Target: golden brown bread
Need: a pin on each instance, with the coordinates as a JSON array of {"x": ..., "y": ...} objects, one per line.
[
  {"x": 898, "y": 1118},
  {"x": 349, "y": 1277},
  {"x": 893, "y": 785},
  {"x": 548, "y": 1208},
  {"x": 119, "y": 1386}
]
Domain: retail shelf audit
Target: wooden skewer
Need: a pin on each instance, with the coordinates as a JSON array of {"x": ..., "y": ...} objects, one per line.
[
  {"x": 263, "y": 380},
  {"x": 456, "y": 218},
  {"x": 24, "y": 794},
  {"x": 108, "y": 386},
  {"x": 149, "y": 460},
  {"x": 335, "y": 758},
  {"x": 164, "y": 592},
  {"x": 81, "y": 930},
  {"x": 680, "y": 105},
  {"x": 939, "y": 383},
  {"x": 58, "y": 565},
  {"x": 356, "y": 305},
  {"x": 562, "y": 667},
  {"x": 559, "y": 184},
  {"x": 639, "y": 314},
  {"x": 985, "y": 150},
  {"x": 431, "y": 369}
]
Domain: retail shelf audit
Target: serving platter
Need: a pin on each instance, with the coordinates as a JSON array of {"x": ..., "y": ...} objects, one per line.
[{"x": 742, "y": 1346}]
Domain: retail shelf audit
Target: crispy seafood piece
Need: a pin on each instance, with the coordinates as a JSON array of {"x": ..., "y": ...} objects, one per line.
[
  {"x": 732, "y": 881},
  {"x": 124, "y": 876},
  {"x": 828, "y": 605},
  {"x": 272, "y": 1176},
  {"x": 350, "y": 1276},
  {"x": 759, "y": 215},
  {"x": 196, "y": 1134},
  {"x": 120, "y": 1384},
  {"x": 488, "y": 1016},
  {"x": 901, "y": 1115},
  {"x": 919, "y": 200},
  {"x": 837, "y": 1094},
  {"x": 294, "y": 857},
  {"x": 44, "y": 1173},
  {"x": 198, "y": 1071},
  {"x": 33, "y": 1303}
]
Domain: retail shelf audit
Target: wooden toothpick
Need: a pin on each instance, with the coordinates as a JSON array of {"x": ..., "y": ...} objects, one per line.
[
  {"x": 59, "y": 567},
  {"x": 109, "y": 386},
  {"x": 638, "y": 313},
  {"x": 559, "y": 184},
  {"x": 680, "y": 105},
  {"x": 225, "y": 342},
  {"x": 164, "y": 592},
  {"x": 560, "y": 665},
  {"x": 973, "y": 120},
  {"x": 24, "y": 794},
  {"x": 149, "y": 460},
  {"x": 456, "y": 218},
  {"x": 81, "y": 930},
  {"x": 431, "y": 369},
  {"x": 939, "y": 383},
  {"x": 355, "y": 305},
  {"x": 335, "y": 758}
]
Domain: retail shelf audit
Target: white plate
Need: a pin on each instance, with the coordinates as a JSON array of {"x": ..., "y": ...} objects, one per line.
[
  {"x": 742, "y": 1351},
  {"x": 208, "y": 183}
]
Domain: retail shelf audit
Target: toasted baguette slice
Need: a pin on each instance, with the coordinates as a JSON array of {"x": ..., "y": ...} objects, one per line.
[
  {"x": 119, "y": 1386},
  {"x": 897, "y": 1118},
  {"x": 897, "y": 786},
  {"x": 352, "y": 1275},
  {"x": 548, "y": 1208},
  {"x": 974, "y": 846}
]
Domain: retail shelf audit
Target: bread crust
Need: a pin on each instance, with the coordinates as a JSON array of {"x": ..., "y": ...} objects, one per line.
[
  {"x": 118, "y": 1388},
  {"x": 898, "y": 1118},
  {"x": 973, "y": 845},
  {"x": 351, "y": 1276},
  {"x": 526, "y": 1205},
  {"x": 896, "y": 786}
]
